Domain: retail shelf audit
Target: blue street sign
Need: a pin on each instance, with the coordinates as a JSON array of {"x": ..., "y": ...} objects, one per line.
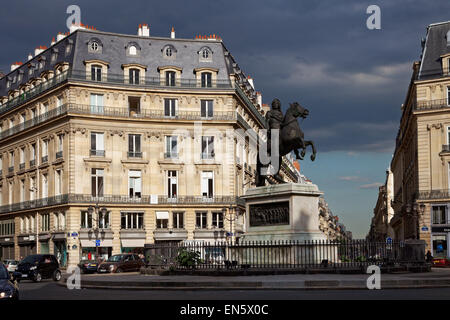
[
  {"x": 389, "y": 240},
  {"x": 74, "y": 234},
  {"x": 97, "y": 243},
  {"x": 424, "y": 228}
]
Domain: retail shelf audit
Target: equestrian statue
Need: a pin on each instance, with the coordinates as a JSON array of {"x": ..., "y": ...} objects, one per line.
[{"x": 291, "y": 137}]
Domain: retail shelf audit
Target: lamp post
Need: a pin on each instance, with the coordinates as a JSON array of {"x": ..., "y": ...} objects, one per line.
[
  {"x": 97, "y": 210},
  {"x": 231, "y": 219}
]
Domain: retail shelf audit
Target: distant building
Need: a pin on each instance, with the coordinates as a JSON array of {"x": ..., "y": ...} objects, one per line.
[{"x": 380, "y": 227}]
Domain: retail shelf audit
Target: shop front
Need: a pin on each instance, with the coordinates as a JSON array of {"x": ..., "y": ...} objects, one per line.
[
  {"x": 6, "y": 248},
  {"x": 44, "y": 240},
  {"x": 96, "y": 246},
  {"x": 27, "y": 246},
  {"x": 440, "y": 237},
  {"x": 60, "y": 248},
  {"x": 132, "y": 241}
]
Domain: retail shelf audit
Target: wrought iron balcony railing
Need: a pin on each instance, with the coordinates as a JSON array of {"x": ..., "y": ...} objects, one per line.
[
  {"x": 134, "y": 154},
  {"x": 207, "y": 155},
  {"x": 432, "y": 104},
  {"x": 97, "y": 153},
  {"x": 32, "y": 163},
  {"x": 170, "y": 155},
  {"x": 59, "y": 154},
  {"x": 11, "y": 169},
  {"x": 445, "y": 148},
  {"x": 22, "y": 166},
  {"x": 434, "y": 194},
  {"x": 44, "y": 159},
  {"x": 119, "y": 199}
]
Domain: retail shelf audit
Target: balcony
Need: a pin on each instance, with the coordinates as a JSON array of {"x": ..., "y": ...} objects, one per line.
[
  {"x": 207, "y": 155},
  {"x": 434, "y": 194},
  {"x": 431, "y": 105},
  {"x": 434, "y": 74},
  {"x": 44, "y": 159},
  {"x": 1, "y": 172},
  {"x": 150, "y": 82},
  {"x": 11, "y": 169},
  {"x": 59, "y": 155},
  {"x": 445, "y": 148},
  {"x": 119, "y": 199},
  {"x": 32, "y": 163},
  {"x": 170, "y": 155},
  {"x": 22, "y": 166},
  {"x": 28, "y": 95},
  {"x": 97, "y": 153},
  {"x": 132, "y": 154}
]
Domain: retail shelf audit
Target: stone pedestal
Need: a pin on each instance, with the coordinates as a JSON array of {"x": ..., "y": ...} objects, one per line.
[{"x": 287, "y": 211}]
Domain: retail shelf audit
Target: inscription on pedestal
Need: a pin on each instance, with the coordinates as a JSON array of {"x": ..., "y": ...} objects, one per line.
[{"x": 269, "y": 214}]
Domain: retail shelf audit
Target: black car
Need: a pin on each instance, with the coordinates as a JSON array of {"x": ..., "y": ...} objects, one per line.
[
  {"x": 8, "y": 289},
  {"x": 39, "y": 266},
  {"x": 88, "y": 266}
]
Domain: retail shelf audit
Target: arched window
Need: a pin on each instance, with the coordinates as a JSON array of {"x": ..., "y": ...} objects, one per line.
[
  {"x": 95, "y": 45},
  {"x": 132, "y": 50},
  {"x": 205, "y": 54},
  {"x": 169, "y": 52}
]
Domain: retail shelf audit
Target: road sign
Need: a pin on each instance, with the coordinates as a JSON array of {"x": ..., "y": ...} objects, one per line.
[
  {"x": 388, "y": 240},
  {"x": 97, "y": 243}
]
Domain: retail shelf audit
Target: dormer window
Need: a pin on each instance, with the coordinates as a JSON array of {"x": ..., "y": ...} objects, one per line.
[
  {"x": 132, "y": 51},
  {"x": 205, "y": 54},
  {"x": 95, "y": 46},
  {"x": 169, "y": 52},
  {"x": 96, "y": 72},
  {"x": 206, "y": 79}
]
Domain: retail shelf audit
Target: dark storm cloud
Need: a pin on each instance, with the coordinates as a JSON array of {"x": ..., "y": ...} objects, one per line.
[{"x": 319, "y": 53}]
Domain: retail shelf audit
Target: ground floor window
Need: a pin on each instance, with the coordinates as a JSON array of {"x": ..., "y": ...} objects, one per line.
[
  {"x": 44, "y": 248},
  {"x": 90, "y": 253},
  {"x": 439, "y": 246}
]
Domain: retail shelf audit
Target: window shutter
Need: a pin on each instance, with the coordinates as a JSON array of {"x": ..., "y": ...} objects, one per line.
[
  {"x": 130, "y": 143},
  {"x": 138, "y": 143}
]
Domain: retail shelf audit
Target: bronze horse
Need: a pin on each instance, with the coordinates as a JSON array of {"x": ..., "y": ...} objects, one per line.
[{"x": 291, "y": 138}]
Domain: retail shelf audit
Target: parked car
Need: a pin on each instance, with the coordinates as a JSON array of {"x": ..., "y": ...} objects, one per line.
[
  {"x": 121, "y": 263},
  {"x": 11, "y": 265},
  {"x": 88, "y": 266},
  {"x": 8, "y": 288},
  {"x": 39, "y": 266},
  {"x": 441, "y": 262}
]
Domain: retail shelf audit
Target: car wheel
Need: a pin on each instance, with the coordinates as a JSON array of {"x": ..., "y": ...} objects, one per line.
[
  {"x": 57, "y": 275},
  {"x": 37, "y": 277},
  {"x": 119, "y": 270}
]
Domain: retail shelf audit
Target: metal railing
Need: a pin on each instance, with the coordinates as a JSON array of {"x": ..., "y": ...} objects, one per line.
[
  {"x": 321, "y": 254},
  {"x": 59, "y": 154},
  {"x": 433, "y": 74},
  {"x": 22, "y": 166},
  {"x": 434, "y": 194},
  {"x": 432, "y": 104},
  {"x": 44, "y": 159},
  {"x": 114, "y": 112},
  {"x": 28, "y": 95},
  {"x": 134, "y": 154},
  {"x": 32, "y": 163},
  {"x": 151, "y": 82},
  {"x": 170, "y": 155},
  {"x": 119, "y": 199},
  {"x": 445, "y": 148},
  {"x": 97, "y": 153}
]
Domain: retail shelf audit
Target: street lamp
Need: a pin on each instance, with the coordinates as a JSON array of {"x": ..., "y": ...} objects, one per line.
[
  {"x": 231, "y": 219},
  {"x": 97, "y": 210}
]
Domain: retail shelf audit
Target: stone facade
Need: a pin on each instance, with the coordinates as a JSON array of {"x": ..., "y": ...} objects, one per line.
[
  {"x": 85, "y": 125},
  {"x": 420, "y": 164}
]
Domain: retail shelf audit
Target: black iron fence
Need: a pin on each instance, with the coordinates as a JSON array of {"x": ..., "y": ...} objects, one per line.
[{"x": 283, "y": 254}]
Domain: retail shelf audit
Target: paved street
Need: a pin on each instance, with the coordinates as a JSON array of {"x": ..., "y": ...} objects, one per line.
[{"x": 48, "y": 290}]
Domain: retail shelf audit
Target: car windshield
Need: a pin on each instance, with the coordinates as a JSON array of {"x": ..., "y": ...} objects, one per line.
[
  {"x": 3, "y": 272},
  {"x": 31, "y": 259},
  {"x": 116, "y": 258}
]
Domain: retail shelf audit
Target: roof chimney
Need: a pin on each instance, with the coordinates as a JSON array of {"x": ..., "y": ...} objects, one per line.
[
  {"x": 39, "y": 49},
  {"x": 30, "y": 56},
  {"x": 59, "y": 36},
  {"x": 145, "y": 30},
  {"x": 259, "y": 98},
  {"x": 15, "y": 65},
  {"x": 172, "y": 33},
  {"x": 53, "y": 41},
  {"x": 250, "y": 80}
]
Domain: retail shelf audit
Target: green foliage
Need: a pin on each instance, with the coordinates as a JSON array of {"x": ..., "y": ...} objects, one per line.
[{"x": 187, "y": 258}]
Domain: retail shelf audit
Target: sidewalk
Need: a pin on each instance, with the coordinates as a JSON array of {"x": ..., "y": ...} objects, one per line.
[{"x": 437, "y": 278}]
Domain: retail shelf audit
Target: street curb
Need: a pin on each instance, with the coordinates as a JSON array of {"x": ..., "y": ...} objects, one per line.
[{"x": 262, "y": 285}]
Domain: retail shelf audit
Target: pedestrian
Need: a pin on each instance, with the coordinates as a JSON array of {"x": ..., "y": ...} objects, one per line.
[{"x": 429, "y": 257}]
